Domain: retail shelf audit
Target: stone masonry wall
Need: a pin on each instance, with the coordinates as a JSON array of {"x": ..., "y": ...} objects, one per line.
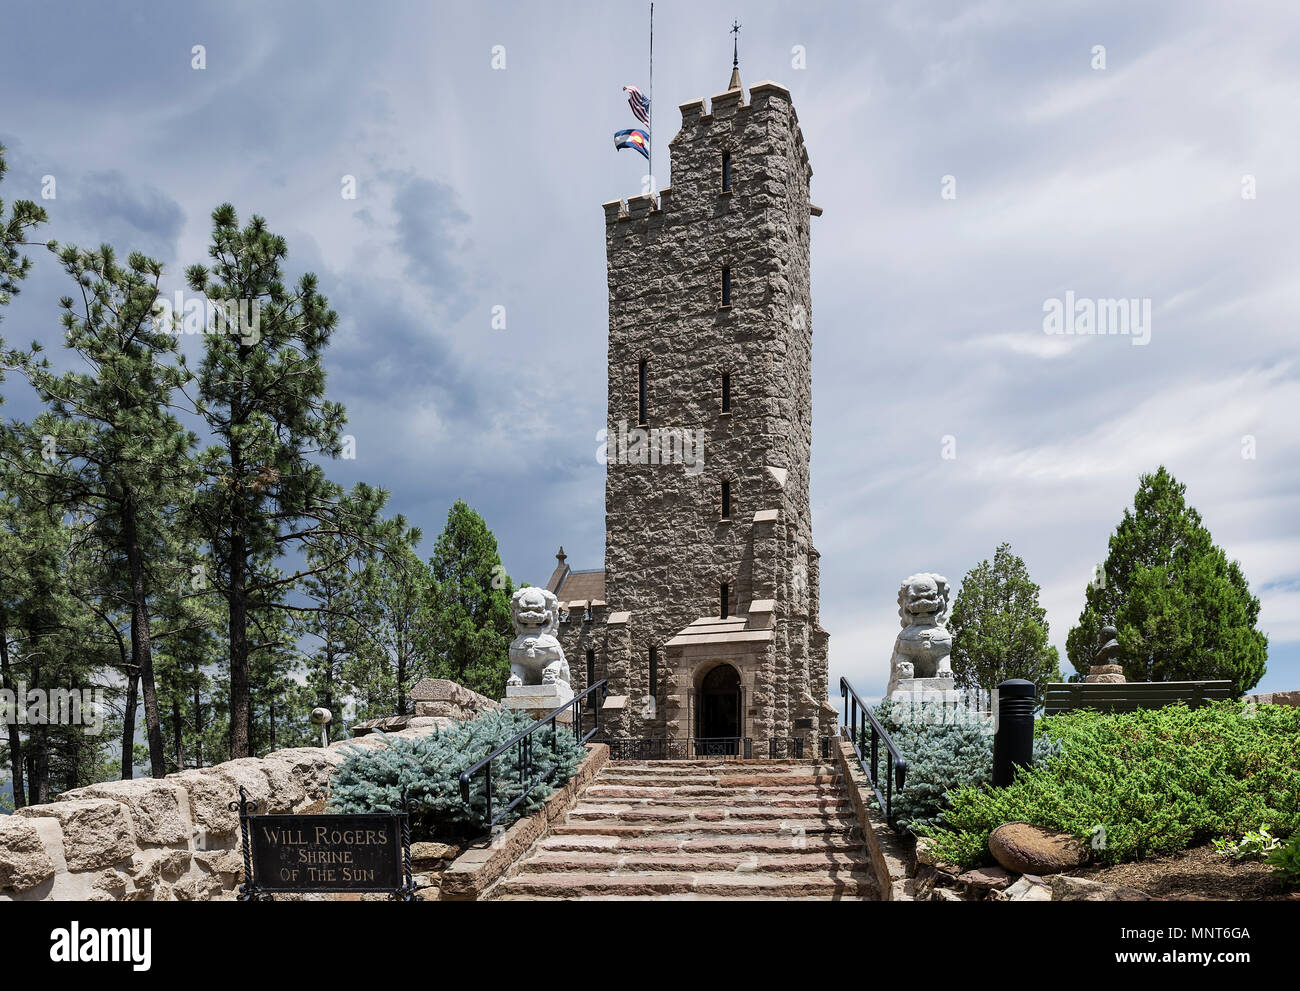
[{"x": 173, "y": 838}]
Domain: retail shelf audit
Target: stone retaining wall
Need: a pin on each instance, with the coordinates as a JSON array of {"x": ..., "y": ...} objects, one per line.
[{"x": 172, "y": 838}]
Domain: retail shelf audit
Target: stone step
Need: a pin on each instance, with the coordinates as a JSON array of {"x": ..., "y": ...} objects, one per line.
[
  {"x": 702, "y": 884},
  {"x": 732, "y": 767},
  {"x": 720, "y": 783},
  {"x": 707, "y": 793},
  {"x": 704, "y": 815},
  {"x": 777, "y": 843},
  {"x": 695, "y": 862},
  {"x": 679, "y": 830},
  {"x": 812, "y": 801}
]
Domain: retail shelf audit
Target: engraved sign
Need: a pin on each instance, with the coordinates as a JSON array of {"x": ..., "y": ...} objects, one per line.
[{"x": 325, "y": 853}]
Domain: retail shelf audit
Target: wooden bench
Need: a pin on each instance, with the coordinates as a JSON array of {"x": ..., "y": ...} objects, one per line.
[{"x": 1132, "y": 695}]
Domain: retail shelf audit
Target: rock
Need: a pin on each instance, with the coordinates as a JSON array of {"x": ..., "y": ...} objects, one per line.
[
  {"x": 1028, "y": 889},
  {"x": 903, "y": 890},
  {"x": 196, "y": 888},
  {"x": 313, "y": 766},
  {"x": 925, "y": 851},
  {"x": 97, "y": 832},
  {"x": 1023, "y": 848},
  {"x": 945, "y": 895},
  {"x": 986, "y": 879},
  {"x": 272, "y": 784},
  {"x": 160, "y": 810},
  {"x": 210, "y": 797},
  {"x": 24, "y": 862},
  {"x": 228, "y": 865},
  {"x": 149, "y": 868},
  {"x": 107, "y": 886},
  {"x": 427, "y": 853},
  {"x": 1078, "y": 889}
]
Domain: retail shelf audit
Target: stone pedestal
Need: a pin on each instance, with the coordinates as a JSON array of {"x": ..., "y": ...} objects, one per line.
[
  {"x": 539, "y": 700},
  {"x": 1106, "y": 674},
  {"x": 916, "y": 690}
]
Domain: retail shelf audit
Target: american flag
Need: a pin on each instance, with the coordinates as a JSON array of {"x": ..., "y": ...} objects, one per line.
[{"x": 639, "y": 103}]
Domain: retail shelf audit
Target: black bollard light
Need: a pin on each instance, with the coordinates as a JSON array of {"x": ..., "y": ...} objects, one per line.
[{"x": 1013, "y": 743}]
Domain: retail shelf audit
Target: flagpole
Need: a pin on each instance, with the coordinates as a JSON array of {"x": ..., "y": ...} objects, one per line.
[{"x": 654, "y": 191}]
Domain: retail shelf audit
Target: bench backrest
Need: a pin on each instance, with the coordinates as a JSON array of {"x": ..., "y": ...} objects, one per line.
[{"x": 1132, "y": 695}]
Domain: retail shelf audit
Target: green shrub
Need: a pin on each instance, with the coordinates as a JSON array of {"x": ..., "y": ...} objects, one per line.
[
  {"x": 1142, "y": 783},
  {"x": 1255, "y": 845},
  {"x": 946, "y": 748},
  {"x": 430, "y": 767},
  {"x": 1286, "y": 860}
]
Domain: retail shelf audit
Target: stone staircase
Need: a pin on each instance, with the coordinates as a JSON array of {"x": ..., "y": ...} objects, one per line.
[{"x": 702, "y": 829}]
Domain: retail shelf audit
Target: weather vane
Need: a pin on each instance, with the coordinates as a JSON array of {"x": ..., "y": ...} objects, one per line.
[{"x": 735, "y": 45}]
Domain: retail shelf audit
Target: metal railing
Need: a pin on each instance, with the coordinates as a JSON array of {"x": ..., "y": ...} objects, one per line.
[
  {"x": 785, "y": 746},
  {"x": 857, "y": 733},
  {"x": 529, "y": 776},
  {"x": 682, "y": 748}
]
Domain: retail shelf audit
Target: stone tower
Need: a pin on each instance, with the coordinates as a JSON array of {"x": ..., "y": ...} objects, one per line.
[{"x": 706, "y": 616}]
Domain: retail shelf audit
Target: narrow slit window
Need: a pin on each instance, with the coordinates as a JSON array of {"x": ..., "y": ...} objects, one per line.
[
  {"x": 726, "y": 285},
  {"x": 726, "y": 500},
  {"x": 724, "y": 596},
  {"x": 654, "y": 671},
  {"x": 591, "y": 667},
  {"x": 643, "y": 404},
  {"x": 726, "y": 171},
  {"x": 726, "y": 392}
]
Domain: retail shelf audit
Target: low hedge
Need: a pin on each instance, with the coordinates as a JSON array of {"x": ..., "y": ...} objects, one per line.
[
  {"x": 429, "y": 768},
  {"x": 1143, "y": 783}
]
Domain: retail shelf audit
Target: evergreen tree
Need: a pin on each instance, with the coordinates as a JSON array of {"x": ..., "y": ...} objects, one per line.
[
  {"x": 24, "y": 217},
  {"x": 396, "y": 587},
  {"x": 1182, "y": 609},
  {"x": 470, "y": 632},
  {"x": 999, "y": 630},
  {"x": 262, "y": 394},
  {"x": 120, "y": 457},
  {"x": 335, "y": 625}
]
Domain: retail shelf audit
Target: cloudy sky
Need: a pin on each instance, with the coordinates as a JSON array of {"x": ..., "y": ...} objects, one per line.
[{"x": 480, "y": 187}]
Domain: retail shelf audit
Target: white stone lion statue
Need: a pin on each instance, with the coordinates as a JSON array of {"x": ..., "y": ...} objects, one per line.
[
  {"x": 922, "y": 649},
  {"x": 536, "y": 657}
]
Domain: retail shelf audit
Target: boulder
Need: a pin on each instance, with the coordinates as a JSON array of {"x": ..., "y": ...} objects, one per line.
[
  {"x": 97, "y": 832},
  {"x": 159, "y": 809},
  {"x": 1023, "y": 848},
  {"x": 24, "y": 862},
  {"x": 945, "y": 895},
  {"x": 1077, "y": 889}
]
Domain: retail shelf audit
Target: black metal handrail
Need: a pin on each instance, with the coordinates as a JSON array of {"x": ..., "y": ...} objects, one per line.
[
  {"x": 858, "y": 737},
  {"x": 528, "y": 778}
]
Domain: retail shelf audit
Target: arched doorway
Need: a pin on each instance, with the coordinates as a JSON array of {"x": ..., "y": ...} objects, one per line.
[{"x": 718, "y": 711}]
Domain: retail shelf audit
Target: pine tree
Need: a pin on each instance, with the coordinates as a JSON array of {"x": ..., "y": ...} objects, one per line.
[
  {"x": 999, "y": 630},
  {"x": 471, "y": 631},
  {"x": 1182, "y": 609},
  {"x": 120, "y": 456},
  {"x": 24, "y": 217},
  {"x": 396, "y": 587},
  {"x": 261, "y": 392},
  {"x": 334, "y": 626}
]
